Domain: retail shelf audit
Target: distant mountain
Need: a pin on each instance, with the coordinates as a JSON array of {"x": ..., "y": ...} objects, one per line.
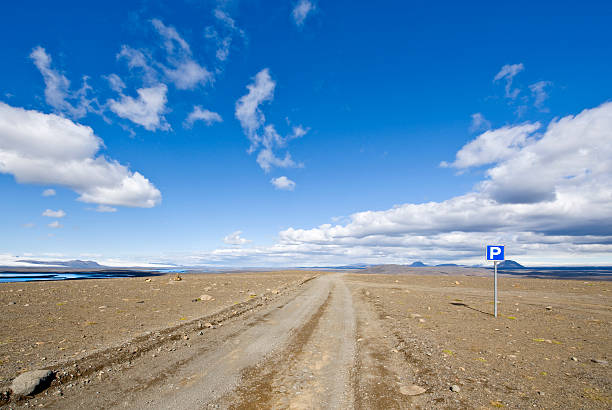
[
  {"x": 75, "y": 264},
  {"x": 417, "y": 264},
  {"x": 510, "y": 264},
  {"x": 448, "y": 264}
]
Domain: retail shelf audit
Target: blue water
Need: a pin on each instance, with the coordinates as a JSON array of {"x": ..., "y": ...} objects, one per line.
[{"x": 36, "y": 276}]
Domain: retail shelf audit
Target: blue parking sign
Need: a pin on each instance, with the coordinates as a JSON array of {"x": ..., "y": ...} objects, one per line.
[{"x": 495, "y": 252}]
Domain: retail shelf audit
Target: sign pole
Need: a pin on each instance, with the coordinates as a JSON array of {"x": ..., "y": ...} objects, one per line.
[{"x": 495, "y": 286}]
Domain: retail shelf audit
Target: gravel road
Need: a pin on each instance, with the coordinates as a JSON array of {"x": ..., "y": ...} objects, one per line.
[{"x": 339, "y": 341}]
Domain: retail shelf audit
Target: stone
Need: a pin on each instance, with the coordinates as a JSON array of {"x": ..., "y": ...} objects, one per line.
[
  {"x": 455, "y": 388},
  {"x": 548, "y": 307},
  {"x": 575, "y": 359},
  {"x": 206, "y": 297},
  {"x": 32, "y": 382},
  {"x": 412, "y": 390},
  {"x": 12, "y": 303},
  {"x": 599, "y": 361},
  {"x": 414, "y": 315}
]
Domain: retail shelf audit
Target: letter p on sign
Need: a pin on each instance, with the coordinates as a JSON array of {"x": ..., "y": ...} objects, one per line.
[{"x": 495, "y": 252}]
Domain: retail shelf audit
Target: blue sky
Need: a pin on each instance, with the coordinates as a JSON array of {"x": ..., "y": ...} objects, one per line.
[{"x": 321, "y": 132}]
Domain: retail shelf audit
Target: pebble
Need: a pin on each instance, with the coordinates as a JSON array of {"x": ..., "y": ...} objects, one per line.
[
  {"x": 575, "y": 359},
  {"x": 455, "y": 388},
  {"x": 548, "y": 307},
  {"x": 599, "y": 361},
  {"x": 27, "y": 383},
  {"x": 412, "y": 390},
  {"x": 12, "y": 303},
  {"x": 206, "y": 297}
]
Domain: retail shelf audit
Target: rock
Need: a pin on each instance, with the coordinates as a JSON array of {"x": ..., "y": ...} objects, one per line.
[
  {"x": 575, "y": 359},
  {"x": 148, "y": 280},
  {"x": 548, "y": 307},
  {"x": 455, "y": 388},
  {"x": 209, "y": 325},
  {"x": 12, "y": 303},
  {"x": 206, "y": 297},
  {"x": 599, "y": 361},
  {"x": 32, "y": 382},
  {"x": 457, "y": 282},
  {"x": 421, "y": 320},
  {"x": 412, "y": 390},
  {"x": 200, "y": 333},
  {"x": 414, "y": 315}
]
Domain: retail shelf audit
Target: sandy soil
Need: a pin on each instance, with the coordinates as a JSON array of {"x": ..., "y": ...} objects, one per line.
[
  {"x": 443, "y": 329},
  {"x": 332, "y": 341},
  {"x": 53, "y": 322}
]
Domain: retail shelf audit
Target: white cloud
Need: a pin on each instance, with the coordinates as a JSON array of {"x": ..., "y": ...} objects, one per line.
[
  {"x": 147, "y": 110},
  {"x": 105, "y": 208},
  {"x": 283, "y": 183},
  {"x": 261, "y": 136},
  {"x": 507, "y": 73},
  {"x": 235, "y": 239},
  {"x": 171, "y": 37},
  {"x": 57, "y": 87},
  {"x": 29, "y": 225},
  {"x": 48, "y": 149},
  {"x": 267, "y": 159},
  {"x": 548, "y": 199},
  {"x": 116, "y": 83},
  {"x": 48, "y": 192},
  {"x": 538, "y": 91},
  {"x": 301, "y": 11},
  {"x": 224, "y": 40},
  {"x": 54, "y": 214},
  {"x": 181, "y": 68},
  {"x": 137, "y": 59},
  {"x": 493, "y": 146},
  {"x": 200, "y": 114},
  {"x": 479, "y": 123},
  {"x": 55, "y": 225},
  {"x": 247, "y": 107}
]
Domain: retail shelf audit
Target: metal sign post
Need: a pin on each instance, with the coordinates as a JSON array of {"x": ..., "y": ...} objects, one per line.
[
  {"x": 495, "y": 253},
  {"x": 495, "y": 287}
]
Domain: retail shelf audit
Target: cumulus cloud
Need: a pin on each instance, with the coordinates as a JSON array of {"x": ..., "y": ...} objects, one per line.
[
  {"x": 301, "y": 10},
  {"x": 55, "y": 225},
  {"x": 479, "y": 123},
  {"x": 493, "y": 146},
  {"x": 261, "y": 136},
  {"x": 57, "y": 87},
  {"x": 146, "y": 110},
  {"x": 507, "y": 73},
  {"x": 54, "y": 214},
  {"x": 48, "y": 149},
  {"x": 200, "y": 114},
  {"x": 283, "y": 183},
  {"x": 48, "y": 192},
  {"x": 235, "y": 239},
  {"x": 547, "y": 196}
]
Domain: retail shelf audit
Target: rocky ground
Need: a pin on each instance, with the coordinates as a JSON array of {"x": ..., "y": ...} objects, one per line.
[{"x": 314, "y": 340}]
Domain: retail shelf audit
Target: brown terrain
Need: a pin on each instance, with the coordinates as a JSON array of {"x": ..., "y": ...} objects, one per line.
[{"x": 310, "y": 340}]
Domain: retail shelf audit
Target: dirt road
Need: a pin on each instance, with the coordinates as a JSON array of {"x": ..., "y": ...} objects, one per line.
[{"x": 335, "y": 342}]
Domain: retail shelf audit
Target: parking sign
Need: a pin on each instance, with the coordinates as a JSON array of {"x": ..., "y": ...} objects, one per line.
[{"x": 495, "y": 252}]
